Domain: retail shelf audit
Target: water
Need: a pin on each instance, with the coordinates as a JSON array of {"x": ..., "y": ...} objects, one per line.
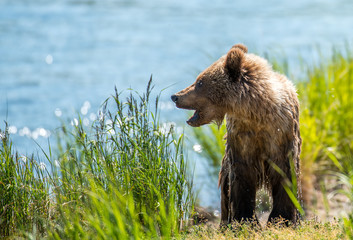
[{"x": 58, "y": 57}]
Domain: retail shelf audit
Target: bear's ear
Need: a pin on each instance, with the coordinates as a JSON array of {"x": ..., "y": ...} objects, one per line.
[
  {"x": 241, "y": 46},
  {"x": 234, "y": 60}
]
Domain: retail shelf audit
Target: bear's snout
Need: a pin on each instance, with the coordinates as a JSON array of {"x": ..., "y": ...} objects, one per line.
[{"x": 174, "y": 98}]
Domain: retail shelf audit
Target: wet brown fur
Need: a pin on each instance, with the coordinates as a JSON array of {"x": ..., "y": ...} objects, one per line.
[{"x": 262, "y": 114}]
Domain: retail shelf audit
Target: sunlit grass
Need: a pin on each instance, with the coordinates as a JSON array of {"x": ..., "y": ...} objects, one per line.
[
  {"x": 326, "y": 118},
  {"x": 305, "y": 231},
  {"x": 125, "y": 177},
  {"x": 24, "y": 191},
  {"x": 345, "y": 177}
]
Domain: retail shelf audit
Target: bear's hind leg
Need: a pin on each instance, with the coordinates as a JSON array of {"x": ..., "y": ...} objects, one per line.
[{"x": 283, "y": 207}]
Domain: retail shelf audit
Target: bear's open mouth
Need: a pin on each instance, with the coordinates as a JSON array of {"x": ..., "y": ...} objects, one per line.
[{"x": 194, "y": 119}]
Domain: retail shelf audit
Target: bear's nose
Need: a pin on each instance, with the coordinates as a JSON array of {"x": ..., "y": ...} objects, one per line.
[{"x": 174, "y": 98}]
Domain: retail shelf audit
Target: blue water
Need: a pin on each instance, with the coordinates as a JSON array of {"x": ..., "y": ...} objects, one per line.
[{"x": 59, "y": 57}]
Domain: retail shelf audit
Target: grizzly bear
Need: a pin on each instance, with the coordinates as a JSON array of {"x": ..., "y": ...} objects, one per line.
[{"x": 262, "y": 118}]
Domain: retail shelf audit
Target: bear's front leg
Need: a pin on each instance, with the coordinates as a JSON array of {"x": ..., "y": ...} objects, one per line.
[
  {"x": 224, "y": 185},
  {"x": 242, "y": 194}
]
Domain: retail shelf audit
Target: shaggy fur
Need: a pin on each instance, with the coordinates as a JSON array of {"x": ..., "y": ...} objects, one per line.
[{"x": 262, "y": 114}]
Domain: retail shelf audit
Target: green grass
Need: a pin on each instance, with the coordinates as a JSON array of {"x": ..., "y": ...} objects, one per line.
[
  {"x": 306, "y": 231},
  {"x": 24, "y": 191},
  {"x": 344, "y": 176},
  {"x": 127, "y": 178},
  {"x": 124, "y": 178},
  {"x": 326, "y": 116}
]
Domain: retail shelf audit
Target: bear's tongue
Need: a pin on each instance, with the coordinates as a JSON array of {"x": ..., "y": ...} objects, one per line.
[{"x": 193, "y": 119}]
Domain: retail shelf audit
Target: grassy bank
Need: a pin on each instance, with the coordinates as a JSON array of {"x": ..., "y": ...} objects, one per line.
[
  {"x": 306, "y": 231},
  {"x": 125, "y": 177},
  {"x": 24, "y": 191}
]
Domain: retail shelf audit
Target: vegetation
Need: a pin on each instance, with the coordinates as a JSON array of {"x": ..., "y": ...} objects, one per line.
[
  {"x": 24, "y": 202},
  {"x": 344, "y": 175},
  {"x": 125, "y": 177},
  {"x": 306, "y": 231}
]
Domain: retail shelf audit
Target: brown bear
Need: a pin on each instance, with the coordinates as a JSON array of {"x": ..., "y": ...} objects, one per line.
[{"x": 262, "y": 116}]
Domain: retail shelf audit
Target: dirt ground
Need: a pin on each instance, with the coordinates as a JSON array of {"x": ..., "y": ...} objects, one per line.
[{"x": 326, "y": 206}]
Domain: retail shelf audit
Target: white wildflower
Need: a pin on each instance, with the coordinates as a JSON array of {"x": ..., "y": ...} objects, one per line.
[
  {"x": 74, "y": 122},
  {"x": 23, "y": 158},
  {"x": 111, "y": 131},
  {"x": 42, "y": 166},
  {"x": 100, "y": 115},
  {"x": 57, "y": 164},
  {"x": 129, "y": 119}
]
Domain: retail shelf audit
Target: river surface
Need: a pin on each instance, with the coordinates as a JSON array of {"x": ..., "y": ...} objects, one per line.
[{"x": 62, "y": 57}]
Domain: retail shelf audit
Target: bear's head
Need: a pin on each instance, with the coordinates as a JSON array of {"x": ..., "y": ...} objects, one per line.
[{"x": 212, "y": 91}]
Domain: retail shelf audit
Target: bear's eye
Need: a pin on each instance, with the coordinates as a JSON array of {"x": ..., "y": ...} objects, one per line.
[{"x": 199, "y": 84}]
